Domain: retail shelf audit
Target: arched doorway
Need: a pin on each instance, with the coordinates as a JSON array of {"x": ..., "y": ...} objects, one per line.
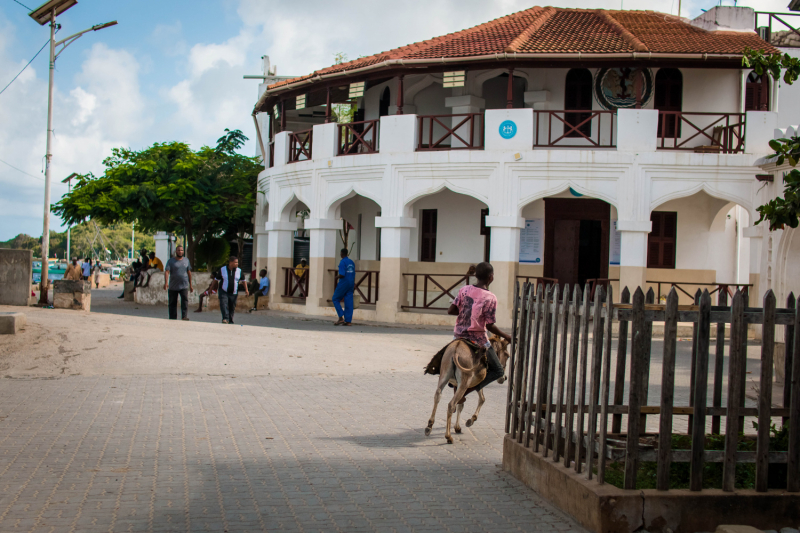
[{"x": 578, "y": 96}]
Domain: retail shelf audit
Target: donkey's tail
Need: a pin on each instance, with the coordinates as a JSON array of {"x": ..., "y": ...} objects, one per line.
[{"x": 455, "y": 357}]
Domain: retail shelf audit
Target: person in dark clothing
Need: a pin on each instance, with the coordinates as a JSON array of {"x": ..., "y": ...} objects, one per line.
[
  {"x": 178, "y": 282},
  {"x": 133, "y": 275},
  {"x": 230, "y": 278}
]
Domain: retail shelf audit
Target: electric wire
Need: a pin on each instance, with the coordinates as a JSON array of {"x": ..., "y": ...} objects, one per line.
[
  {"x": 23, "y": 5},
  {"x": 26, "y": 66},
  {"x": 20, "y": 170}
]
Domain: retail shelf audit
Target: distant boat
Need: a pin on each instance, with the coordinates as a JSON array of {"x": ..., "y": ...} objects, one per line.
[{"x": 54, "y": 271}]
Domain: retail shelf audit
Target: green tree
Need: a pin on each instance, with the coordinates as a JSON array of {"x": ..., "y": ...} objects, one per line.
[
  {"x": 169, "y": 187},
  {"x": 780, "y": 211}
]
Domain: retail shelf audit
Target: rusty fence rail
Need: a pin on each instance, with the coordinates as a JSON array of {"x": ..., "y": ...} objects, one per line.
[
  {"x": 367, "y": 286},
  {"x": 567, "y": 402},
  {"x": 701, "y": 132},
  {"x": 358, "y": 137},
  {"x": 300, "y": 145},
  {"x": 462, "y": 131}
]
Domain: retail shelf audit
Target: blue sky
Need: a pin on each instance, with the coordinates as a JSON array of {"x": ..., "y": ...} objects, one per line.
[{"x": 172, "y": 70}]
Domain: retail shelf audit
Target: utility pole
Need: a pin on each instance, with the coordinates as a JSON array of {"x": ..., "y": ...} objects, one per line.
[
  {"x": 68, "y": 181},
  {"x": 44, "y": 14},
  {"x": 133, "y": 235}
]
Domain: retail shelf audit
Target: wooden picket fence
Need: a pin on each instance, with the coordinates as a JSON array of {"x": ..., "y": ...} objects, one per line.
[{"x": 563, "y": 402}]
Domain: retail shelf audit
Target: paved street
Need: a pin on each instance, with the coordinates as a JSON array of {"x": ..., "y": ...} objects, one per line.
[{"x": 111, "y": 422}]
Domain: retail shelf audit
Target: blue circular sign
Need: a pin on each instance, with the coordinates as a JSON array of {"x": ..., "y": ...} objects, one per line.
[{"x": 508, "y": 129}]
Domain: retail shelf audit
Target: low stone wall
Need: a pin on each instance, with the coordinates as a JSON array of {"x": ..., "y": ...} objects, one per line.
[
  {"x": 16, "y": 272},
  {"x": 608, "y": 509},
  {"x": 154, "y": 293},
  {"x": 75, "y": 295}
]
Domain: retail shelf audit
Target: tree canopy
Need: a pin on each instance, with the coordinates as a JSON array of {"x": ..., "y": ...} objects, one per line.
[
  {"x": 170, "y": 187},
  {"x": 780, "y": 211}
]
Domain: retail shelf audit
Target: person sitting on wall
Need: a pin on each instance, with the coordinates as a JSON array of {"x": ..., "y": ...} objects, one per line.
[
  {"x": 261, "y": 290},
  {"x": 143, "y": 268},
  {"x": 300, "y": 270},
  {"x": 211, "y": 290},
  {"x": 155, "y": 262},
  {"x": 132, "y": 274}
]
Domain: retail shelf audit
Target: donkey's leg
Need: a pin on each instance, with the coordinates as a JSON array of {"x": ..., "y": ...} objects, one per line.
[
  {"x": 443, "y": 379},
  {"x": 461, "y": 389},
  {"x": 481, "y": 399},
  {"x": 459, "y": 408}
]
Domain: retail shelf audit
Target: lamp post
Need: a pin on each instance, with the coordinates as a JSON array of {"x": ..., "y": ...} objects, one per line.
[{"x": 44, "y": 14}]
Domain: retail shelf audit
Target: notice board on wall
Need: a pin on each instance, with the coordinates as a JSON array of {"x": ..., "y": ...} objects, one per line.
[
  {"x": 614, "y": 244},
  {"x": 531, "y": 241}
]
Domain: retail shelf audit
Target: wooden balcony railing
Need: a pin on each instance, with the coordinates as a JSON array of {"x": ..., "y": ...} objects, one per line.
[
  {"x": 300, "y": 145},
  {"x": 701, "y": 132},
  {"x": 586, "y": 129},
  {"x": 271, "y": 154},
  {"x": 368, "y": 281},
  {"x": 358, "y": 137},
  {"x": 295, "y": 286},
  {"x": 433, "y": 291},
  {"x": 450, "y": 132},
  {"x": 537, "y": 280},
  {"x": 681, "y": 286}
]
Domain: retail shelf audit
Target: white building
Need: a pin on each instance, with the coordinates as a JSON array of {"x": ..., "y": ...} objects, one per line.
[{"x": 567, "y": 144}]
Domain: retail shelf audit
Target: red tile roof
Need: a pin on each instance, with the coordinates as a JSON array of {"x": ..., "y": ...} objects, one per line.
[{"x": 549, "y": 30}]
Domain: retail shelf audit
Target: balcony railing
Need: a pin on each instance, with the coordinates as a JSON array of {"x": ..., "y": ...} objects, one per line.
[
  {"x": 701, "y": 132},
  {"x": 300, "y": 143},
  {"x": 450, "y": 132},
  {"x": 358, "y": 137},
  {"x": 437, "y": 290},
  {"x": 295, "y": 286},
  {"x": 367, "y": 283},
  {"x": 580, "y": 129}
]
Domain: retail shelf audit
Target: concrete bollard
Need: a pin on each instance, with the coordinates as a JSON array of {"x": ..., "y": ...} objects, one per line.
[
  {"x": 75, "y": 295},
  {"x": 11, "y": 323}
]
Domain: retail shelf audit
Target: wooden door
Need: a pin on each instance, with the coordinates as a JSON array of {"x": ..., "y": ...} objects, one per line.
[
  {"x": 566, "y": 236},
  {"x": 428, "y": 236}
]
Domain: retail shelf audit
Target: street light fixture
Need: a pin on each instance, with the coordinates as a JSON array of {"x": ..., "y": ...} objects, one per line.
[{"x": 44, "y": 14}]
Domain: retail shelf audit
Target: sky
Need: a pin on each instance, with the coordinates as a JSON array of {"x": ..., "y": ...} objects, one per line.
[{"x": 172, "y": 71}]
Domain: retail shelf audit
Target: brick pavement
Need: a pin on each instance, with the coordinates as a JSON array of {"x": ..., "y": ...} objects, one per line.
[{"x": 255, "y": 453}]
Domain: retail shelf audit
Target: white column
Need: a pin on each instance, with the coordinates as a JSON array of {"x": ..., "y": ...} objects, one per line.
[
  {"x": 637, "y": 130},
  {"x": 504, "y": 256},
  {"x": 322, "y": 259},
  {"x": 165, "y": 245},
  {"x": 742, "y": 247},
  {"x": 398, "y": 133},
  {"x": 281, "y": 148},
  {"x": 395, "y": 250},
  {"x": 633, "y": 254},
  {"x": 279, "y": 256},
  {"x": 324, "y": 141}
]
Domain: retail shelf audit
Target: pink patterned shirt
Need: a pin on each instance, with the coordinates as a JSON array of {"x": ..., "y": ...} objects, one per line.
[{"x": 476, "y": 309}]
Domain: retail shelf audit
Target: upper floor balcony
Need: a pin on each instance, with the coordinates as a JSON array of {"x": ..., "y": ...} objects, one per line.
[{"x": 515, "y": 130}]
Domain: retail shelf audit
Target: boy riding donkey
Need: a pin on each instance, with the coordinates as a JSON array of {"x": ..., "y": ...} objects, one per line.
[{"x": 470, "y": 361}]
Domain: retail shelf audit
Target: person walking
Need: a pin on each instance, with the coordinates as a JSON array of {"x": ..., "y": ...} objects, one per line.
[
  {"x": 178, "y": 282},
  {"x": 230, "y": 278},
  {"x": 86, "y": 269},
  {"x": 73, "y": 272},
  {"x": 344, "y": 290},
  {"x": 96, "y": 270}
]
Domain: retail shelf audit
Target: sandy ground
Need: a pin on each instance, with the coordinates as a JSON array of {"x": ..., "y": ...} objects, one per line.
[{"x": 123, "y": 338}]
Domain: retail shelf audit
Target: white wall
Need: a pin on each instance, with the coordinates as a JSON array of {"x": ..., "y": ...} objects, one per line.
[
  {"x": 350, "y": 209},
  {"x": 458, "y": 238},
  {"x": 788, "y": 98},
  {"x": 706, "y": 237}
]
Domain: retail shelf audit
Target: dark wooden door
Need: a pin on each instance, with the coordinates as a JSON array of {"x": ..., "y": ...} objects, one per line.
[
  {"x": 661, "y": 240},
  {"x": 558, "y": 210},
  {"x": 428, "y": 236},
  {"x": 669, "y": 97},
  {"x": 756, "y": 93},
  {"x": 566, "y": 235}
]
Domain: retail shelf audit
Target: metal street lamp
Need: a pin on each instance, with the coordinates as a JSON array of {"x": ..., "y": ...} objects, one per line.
[{"x": 46, "y": 13}]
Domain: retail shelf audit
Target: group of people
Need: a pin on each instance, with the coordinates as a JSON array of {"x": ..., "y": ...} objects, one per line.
[
  {"x": 84, "y": 272},
  {"x": 140, "y": 270}
]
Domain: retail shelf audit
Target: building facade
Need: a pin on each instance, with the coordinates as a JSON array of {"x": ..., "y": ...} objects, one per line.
[{"x": 578, "y": 146}]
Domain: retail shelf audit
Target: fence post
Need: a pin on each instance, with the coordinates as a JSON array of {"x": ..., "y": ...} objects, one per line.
[
  {"x": 551, "y": 374},
  {"x": 531, "y": 354},
  {"x": 594, "y": 387},
  {"x": 693, "y": 363},
  {"x": 667, "y": 391},
  {"x": 648, "y": 346},
  {"x": 569, "y": 450},
  {"x": 793, "y": 467},
  {"x": 619, "y": 376},
  {"x": 722, "y": 300},
  {"x": 700, "y": 393},
  {"x": 765, "y": 393},
  {"x": 605, "y": 387},
  {"x": 514, "y": 331},
  {"x": 788, "y": 339},
  {"x": 634, "y": 401},
  {"x": 562, "y": 370},
  {"x": 516, "y": 407},
  {"x": 584, "y": 339},
  {"x": 543, "y": 366},
  {"x": 735, "y": 393}
]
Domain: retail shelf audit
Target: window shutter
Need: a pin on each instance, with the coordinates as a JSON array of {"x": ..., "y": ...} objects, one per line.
[{"x": 661, "y": 242}]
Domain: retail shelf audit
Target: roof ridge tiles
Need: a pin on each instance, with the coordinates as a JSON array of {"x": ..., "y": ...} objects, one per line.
[
  {"x": 542, "y": 16},
  {"x": 623, "y": 32}
]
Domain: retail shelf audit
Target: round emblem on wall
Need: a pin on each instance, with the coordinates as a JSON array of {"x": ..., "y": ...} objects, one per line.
[
  {"x": 617, "y": 88},
  {"x": 508, "y": 129}
]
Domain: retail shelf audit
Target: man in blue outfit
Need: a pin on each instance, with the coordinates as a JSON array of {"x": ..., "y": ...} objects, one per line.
[{"x": 344, "y": 290}]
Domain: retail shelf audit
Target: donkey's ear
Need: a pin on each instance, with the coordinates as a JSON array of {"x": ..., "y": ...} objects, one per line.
[{"x": 504, "y": 342}]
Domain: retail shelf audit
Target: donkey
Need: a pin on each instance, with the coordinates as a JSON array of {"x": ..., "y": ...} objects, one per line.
[{"x": 464, "y": 369}]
